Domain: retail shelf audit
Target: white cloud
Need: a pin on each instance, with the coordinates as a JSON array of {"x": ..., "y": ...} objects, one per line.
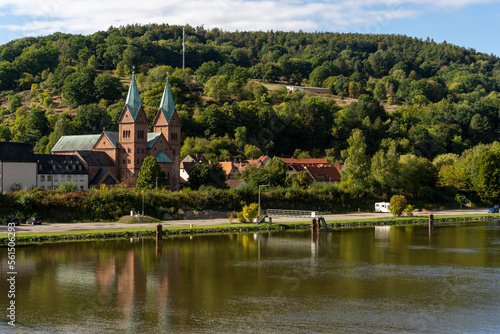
[{"x": 87, "y": 16}]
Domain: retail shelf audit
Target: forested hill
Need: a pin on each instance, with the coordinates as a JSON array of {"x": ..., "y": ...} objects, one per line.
[{"x": 446, "y": 96}]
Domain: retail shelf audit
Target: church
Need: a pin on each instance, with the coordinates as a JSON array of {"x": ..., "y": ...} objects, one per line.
[{"x": 113, "y": 157}]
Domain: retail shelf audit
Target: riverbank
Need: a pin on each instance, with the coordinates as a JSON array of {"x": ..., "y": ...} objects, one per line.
[{"x": 189, "y": 228}]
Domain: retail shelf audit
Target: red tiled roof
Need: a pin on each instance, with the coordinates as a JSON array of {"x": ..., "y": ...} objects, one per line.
[
  {"x": 310, "y": 161},
  {"x": 327, "y": 173}
]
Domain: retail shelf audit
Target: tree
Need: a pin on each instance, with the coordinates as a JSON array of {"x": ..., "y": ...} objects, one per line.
[
  {"x": 208, "y": 175},
  {"x": 302, "y": 179},
  {"x": 8, "y": 75},
  {"x": 216, "y": 87},
  {"x": 487, "y": 180},
  {"x": 108, "y": 87},
  {"x": 132, "y": 56},
  {"x": 255, "y": 175},
  {"x": 385, "y": 167},
  {"x": 79, "y": 87},
  {"x": 93, "y": 118},
  {"x": 357, "y": 163},
  {"x": 206, "y": 71},
  {"x": 151, "y": 175},
  {"x": 14, "y": 103},
  {"x": 5, "y": 134},
  {"x": 252, "y": 152},
  {"x": 276, "y": 171},
  {"x": 417, "y": 173},
  {"x": 397, "y": 205}
]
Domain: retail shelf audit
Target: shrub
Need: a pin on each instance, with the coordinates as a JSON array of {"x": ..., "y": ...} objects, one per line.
[
  {"x": 67, "y": 187},
  {"x": 397, "y": 205},
  {"x": 409, "y": 210},
  {"x": 250, "y": 211}
]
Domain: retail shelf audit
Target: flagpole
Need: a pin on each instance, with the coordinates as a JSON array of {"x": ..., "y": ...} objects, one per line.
[{"x": 183, "y": 47}]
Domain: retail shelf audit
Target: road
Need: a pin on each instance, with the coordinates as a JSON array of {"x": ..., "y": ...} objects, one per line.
[{"x": 68, "y": 227}]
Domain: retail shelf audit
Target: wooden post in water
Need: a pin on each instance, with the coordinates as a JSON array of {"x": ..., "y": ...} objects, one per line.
[
  {"x": 313, "y": 224},
  {"x": 158, "y": 231},
  {"x": 431, "y": 220}
]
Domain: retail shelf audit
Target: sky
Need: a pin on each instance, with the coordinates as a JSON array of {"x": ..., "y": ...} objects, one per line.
[{"x": 469, "y": 23}]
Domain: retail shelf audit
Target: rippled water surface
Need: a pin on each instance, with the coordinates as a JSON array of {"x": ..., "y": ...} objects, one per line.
[{"x": 368, "y": 280}]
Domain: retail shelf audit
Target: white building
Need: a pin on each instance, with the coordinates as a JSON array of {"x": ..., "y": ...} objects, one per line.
[
  {"x": 18, "y": 167},
  {"x": 54, "y": 170}
]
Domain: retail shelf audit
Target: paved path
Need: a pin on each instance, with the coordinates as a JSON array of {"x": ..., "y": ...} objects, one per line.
[{"x": 60, "y": 227}]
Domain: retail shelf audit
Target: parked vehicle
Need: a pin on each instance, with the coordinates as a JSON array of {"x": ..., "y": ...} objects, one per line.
[
  {"x": 382, "y": 207},
  {"x": 14, "y": 221},
  {"x": 34, "y": 221},
  {"x": 493, "y": 209}
]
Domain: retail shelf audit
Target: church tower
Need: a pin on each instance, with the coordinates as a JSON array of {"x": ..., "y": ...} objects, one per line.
[
  {"x": 167, "y": 122},
  {"x": 133, "y": 136}
]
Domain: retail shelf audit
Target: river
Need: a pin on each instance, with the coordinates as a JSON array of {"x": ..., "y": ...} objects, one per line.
[{"x": 365, "y": 280}]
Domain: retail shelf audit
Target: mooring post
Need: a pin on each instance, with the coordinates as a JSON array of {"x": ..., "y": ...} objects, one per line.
[
  {"x": 318, "y": 222},
  {"x": 158, "y": 231},
  {"x": 431, "y": 220},
  {"x": 313, "y": 224}
]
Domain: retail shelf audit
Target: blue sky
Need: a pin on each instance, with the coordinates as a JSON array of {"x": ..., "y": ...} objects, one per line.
[{"x": 469, "y": 23}]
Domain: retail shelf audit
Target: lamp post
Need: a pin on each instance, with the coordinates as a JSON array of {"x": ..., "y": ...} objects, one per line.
[
  {"x": 263, "y": 185},
  {"x": 143, "y": 203}
]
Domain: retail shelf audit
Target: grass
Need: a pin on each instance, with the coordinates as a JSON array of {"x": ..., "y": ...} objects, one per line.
[{"x": 31, "y": 238}]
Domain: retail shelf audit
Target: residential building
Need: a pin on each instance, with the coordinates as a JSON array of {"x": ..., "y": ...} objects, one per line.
[
  {"x": 18, "y": 167},
  {"x": 325, "y": 173},
  {"x": 54, "y": 170}
]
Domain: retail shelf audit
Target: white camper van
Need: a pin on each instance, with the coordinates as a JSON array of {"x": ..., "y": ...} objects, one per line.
[{"x": 382, "y": 207}]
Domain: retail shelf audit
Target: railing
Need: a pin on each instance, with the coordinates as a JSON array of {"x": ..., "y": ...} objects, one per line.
[{"x": 292, "y": 213}]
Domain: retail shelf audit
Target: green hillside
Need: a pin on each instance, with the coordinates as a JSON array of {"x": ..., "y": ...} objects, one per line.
[{"x": 405, "y": 95}]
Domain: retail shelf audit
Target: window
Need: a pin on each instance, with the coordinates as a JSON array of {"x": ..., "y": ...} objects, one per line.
[
  {"x": 138, "y": 150},
  {"x": 142, "y": 150},
  {"x": 140, "y": 133},
  {"x": 128, "y": 160},
  {"x": 75, "y": 178},
  {"x": 42, "y": 178},
  {"x": 80, "y": 167},
  {"x": 73, "y": 167},
  {"x": 54, "y": 167},
  {"x": 81, "y": 187},
  {"x": 137, "y": 161},
  {"x": 39, "y": 166},
  {"x": 173, "y": 153},
  {"x": 173, "y": 136},
  {"x": 123, "y": 161},
  {"x": 49, "y": 178},
  {"x": 82, "y": 178},
  {"x": 56, "y": 178},
  {"x": 129, "y": 150},
  {"x": 68, "y": 178}
]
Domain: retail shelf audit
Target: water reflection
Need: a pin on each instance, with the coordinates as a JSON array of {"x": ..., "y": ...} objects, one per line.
[{"x": 390, "y": 279}]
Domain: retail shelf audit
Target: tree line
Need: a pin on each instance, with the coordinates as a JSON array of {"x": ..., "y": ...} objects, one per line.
[{"x": 443, "y": 99}]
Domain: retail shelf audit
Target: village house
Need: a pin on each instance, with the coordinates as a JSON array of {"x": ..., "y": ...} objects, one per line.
[
  {"x": 18, "y": 167},
  {"x": 54, "y": 170}
]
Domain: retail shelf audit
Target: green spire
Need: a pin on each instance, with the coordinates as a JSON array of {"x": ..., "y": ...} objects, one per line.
[
  {"x": 133, "y": 101},
  {"x": 167, "y": 105}
]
